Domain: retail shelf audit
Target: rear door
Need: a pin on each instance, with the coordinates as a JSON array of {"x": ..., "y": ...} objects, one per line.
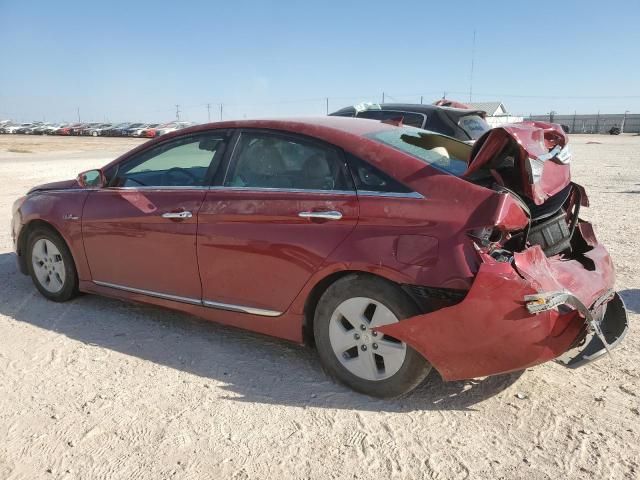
[{"x": 285, "y": 204}]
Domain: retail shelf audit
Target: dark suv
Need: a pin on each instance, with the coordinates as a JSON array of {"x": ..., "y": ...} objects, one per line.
[{"x": 461, "y": 124}]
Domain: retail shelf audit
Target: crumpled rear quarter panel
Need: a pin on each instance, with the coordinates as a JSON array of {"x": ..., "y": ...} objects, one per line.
[{"x": 491, "y": 331}]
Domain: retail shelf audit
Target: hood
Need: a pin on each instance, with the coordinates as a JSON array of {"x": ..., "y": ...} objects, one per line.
[
  {"x": 63, "y": 185},
  {"x": 531, "y": 158}
]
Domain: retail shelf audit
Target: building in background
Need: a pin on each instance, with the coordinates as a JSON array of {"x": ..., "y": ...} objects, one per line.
[{"x": 497, "y": 113}]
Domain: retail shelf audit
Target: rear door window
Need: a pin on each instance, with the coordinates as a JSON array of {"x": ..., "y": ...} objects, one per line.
[
  {"x": 369, "y": 179},
  {"x": 265, "y": 160}
]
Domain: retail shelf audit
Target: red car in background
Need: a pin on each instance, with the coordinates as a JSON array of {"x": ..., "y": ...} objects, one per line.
[
  {"x": 392, "y": 249},
  {"x": 68, "y": 129}
]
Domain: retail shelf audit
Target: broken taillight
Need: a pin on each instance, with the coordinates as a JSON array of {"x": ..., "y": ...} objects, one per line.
[{"x": 535, "y": 166}]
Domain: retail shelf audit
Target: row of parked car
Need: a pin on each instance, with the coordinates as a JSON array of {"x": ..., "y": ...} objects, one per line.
[
  {"x": 452, "y": 119},
  {"x": 127, "y": 129}
]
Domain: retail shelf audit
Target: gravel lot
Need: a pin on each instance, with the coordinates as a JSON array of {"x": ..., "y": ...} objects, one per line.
[{"x": 97, "y": 388}]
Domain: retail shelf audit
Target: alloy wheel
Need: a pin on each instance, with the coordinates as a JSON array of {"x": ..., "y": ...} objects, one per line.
[
  {"x": 48, "y": 265},
  {"x": 362, "y": 351}
]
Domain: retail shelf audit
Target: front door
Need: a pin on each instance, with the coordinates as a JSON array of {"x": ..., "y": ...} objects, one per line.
[
  {"x": 285, "y": 204},
  {"x": 140, "y": 232}
]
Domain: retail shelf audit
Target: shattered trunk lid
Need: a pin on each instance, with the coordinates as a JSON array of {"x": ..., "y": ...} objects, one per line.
[{"x": 531, "y": 158}]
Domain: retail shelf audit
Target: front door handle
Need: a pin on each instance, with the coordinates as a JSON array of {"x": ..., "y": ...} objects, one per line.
[
  {"x": 328, "y": 215},
  {"x": 184, "y": 214}
]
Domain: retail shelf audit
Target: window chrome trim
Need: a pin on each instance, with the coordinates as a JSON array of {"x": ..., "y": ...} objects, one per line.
[
  {"x": 287, "y": 190},
  {"x": 240, "y": 308},
  {"x": 60, "y": 190},
  {"x": 192, "y": 301},
  {"x": 370, "y": 193},
  {"x": 148, "y": 188},
  {"x": 230, "y": 158},
  {"x": 150, "y": 293}
]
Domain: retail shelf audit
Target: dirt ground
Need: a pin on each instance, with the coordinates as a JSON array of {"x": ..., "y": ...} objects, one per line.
[{"x": 96, "y": 388}]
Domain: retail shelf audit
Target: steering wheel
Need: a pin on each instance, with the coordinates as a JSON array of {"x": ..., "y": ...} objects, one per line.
[{"x": 173, "y": 176}]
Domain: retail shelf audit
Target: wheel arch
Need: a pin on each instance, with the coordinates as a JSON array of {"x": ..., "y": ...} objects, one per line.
[
  {"x": 23, "y": 237},
  {"x": 311, "y": 302}
]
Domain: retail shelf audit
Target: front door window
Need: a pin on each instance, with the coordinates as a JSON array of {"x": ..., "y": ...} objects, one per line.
[{"x": 185, "y": 162}]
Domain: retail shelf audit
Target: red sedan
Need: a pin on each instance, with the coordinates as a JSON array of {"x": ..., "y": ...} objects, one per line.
[{"x": 392, "y": 249}]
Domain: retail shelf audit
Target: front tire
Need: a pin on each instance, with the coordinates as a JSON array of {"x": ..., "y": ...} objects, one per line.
[
  {"x": 370, "y": 363},
  {"x": 51, "y": 265}
]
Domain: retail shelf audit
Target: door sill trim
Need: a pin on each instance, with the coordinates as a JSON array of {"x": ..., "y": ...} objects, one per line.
[
  {"x": 240, "y": 308},
  {"x": 192, "y": 301},
  {"x": 150, "y": 293}
]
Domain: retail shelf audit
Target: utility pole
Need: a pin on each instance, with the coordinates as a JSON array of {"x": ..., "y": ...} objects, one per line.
[
  {"x": 473, "y": 54},
  {"x": 177, "y": 112},
  {"x": 208, "y": 112},
  {"x": 78, "y": 110},
  {"x": 220, "y": 112},
  {"x": 382, "y": 97},
  {"x": 624, "y": 120},
  {"x": 327, "y": 99},
  {"x": 420, "y": 99},
  {"x": 573, "y": 125}
]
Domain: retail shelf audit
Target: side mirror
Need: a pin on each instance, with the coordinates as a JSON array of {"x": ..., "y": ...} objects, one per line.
[{"x": 92, "y": 179}]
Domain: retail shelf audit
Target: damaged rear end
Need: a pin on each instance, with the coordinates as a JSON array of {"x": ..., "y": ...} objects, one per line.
[{"x": 544, "y": 285}]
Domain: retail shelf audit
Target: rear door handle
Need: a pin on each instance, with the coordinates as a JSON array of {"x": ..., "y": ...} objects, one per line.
[
  {"x": 330, "y": 215},
  {"x": 184, "y": 214}
]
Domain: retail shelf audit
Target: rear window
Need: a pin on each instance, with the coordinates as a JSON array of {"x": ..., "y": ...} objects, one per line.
[
  {"x": 422, "y": 145},
  {"x": 474, "y": 125},
  {"x": 408, "y": 118}
]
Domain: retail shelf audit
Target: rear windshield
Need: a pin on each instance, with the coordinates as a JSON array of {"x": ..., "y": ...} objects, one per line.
[
  {"x": 422, "y": 145},
  {"x": 474, "y": 125}
]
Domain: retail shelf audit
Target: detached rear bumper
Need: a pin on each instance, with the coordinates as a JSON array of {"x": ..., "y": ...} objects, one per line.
[
  {"x": 607, "y": 329},
  {"x": 492, "y": 331}
]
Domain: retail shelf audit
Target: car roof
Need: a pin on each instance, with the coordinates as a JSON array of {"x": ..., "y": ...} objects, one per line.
[
  {"x": 306, "y": 125},
  {"x": 345, "y": 132}
]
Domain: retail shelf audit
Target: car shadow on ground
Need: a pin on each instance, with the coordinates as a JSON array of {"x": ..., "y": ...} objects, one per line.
[
  {"x": 631, "y": 298},
  {"x": 250, "y": 367}
]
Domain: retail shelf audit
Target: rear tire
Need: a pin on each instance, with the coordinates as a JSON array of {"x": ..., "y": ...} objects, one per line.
[
  {"x": 370, "y": 363},
  {"x": 51, "y": 265}
]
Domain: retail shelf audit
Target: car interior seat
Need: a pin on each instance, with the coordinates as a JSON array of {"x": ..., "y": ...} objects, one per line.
[
  {"x": 316, "y": 173},
  {"x": 263, "y": 167}
]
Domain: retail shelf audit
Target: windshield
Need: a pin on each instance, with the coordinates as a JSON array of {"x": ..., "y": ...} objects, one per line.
[
  {"x": 426, "y": 146},
  {"x": 474, "y": 126}
]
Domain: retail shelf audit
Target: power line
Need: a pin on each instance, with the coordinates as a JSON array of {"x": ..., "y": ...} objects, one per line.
[{"x": 473, "y": 54}]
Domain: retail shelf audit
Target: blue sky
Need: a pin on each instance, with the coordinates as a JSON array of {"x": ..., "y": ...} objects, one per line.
[{"x": 135, "y": 60}]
